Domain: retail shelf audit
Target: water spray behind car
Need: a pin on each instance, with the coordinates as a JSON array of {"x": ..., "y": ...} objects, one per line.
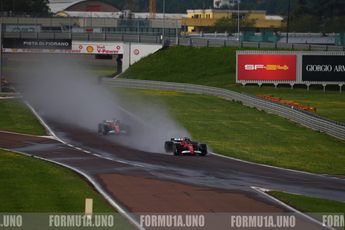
[{"x": 63, "y": 91}]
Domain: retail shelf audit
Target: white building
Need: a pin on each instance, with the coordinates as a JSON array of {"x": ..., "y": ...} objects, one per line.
[{"x": 224, "y": 3}]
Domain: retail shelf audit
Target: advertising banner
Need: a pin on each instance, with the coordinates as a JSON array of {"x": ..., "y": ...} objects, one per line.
[
  {"x": 23, "y": 43},
  {"x": 266, "y": 67},
  {"x": 77, "y": 47},
  {"x": 326, "y": 68},
  {"x": 97, "y": 47}
]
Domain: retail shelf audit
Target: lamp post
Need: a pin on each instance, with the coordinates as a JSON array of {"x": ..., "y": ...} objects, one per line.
[
  {"x": 13, "y": 7},
  {"x": 163, "y": 19},
  {"x": 288, "y": 22},
  {"x": 238, "y": 21}
]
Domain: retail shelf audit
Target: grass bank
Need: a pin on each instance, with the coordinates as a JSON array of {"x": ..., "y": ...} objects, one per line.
[
  {"x": 32, "y": 185},
  {"x": 246, "y": 133},
  {"x": 308, "y": 204},
  {"x": 217, "y": 67},
  {"x": 36, "y": 186},
  {"x": 16, "y": 117}
]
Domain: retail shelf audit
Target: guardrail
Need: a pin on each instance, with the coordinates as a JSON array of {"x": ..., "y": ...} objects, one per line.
[
  {"x": 175, "y": 39},
  {"x": 333, "y": 128}
]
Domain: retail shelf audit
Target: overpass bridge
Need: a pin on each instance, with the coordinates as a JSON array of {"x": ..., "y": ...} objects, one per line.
[{"x": 152, "y": 31}]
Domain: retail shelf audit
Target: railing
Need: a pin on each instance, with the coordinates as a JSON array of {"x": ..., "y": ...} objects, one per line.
[
  {"x": 175, "y": 39},
  {"x": 333, "y": 128},
  {"x": 143, "y": 30}
]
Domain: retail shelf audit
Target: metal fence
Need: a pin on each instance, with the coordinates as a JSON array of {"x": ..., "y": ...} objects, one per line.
[
  {"x": 215, "y": 42},
  {"x": 310, "y": 120},
  {"x": 173, "y": 40},
  {"x": 140, "y": 30}
]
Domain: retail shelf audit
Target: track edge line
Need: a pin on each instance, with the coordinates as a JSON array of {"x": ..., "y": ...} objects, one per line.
[
  {"x": 264, "y": 191},
  {"x": 276, "y": 167},
  {"x": 101, "y": 191}
]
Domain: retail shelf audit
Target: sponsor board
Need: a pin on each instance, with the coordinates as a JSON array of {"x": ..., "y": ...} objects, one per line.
[
  {"x": 98, "y": 47},
  {"x": 325, "y": 68},
  {"x": 23, "y": 43},
  {"x": 136, "y": 52},
  {"x": 77, "y": 47},
  {"x": 15, "y": 50},
  {"x": 266, "y": 67}
]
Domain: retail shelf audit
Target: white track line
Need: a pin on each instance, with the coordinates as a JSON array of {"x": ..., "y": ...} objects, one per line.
[
  {"x": 25, "y": 134},
  {"x": 94, "y": 183},
  {"x": 11, "y": 97},
  {"x": 40, "y": 119},
  {"x": 263, "y": 192}
]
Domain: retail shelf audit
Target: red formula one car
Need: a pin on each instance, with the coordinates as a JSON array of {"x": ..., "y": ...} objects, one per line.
[
  {"x": 112, "y": 127},
  {"x": 184, "y": 146}
]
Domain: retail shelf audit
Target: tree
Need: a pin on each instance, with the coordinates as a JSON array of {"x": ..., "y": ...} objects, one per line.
[
  {"x": 271, "y": 6},
  {"x": 25, "y": 7},
  {"x": 319, "y": 16},
  {"x": 230, "y": 25}
]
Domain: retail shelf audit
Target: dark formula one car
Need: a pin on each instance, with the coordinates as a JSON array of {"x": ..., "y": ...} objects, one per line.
[
  {"x": 184, "y": 146},
  {"x": 112, "y": 127}
]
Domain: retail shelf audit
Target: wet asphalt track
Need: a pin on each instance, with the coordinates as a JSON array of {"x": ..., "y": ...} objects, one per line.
[{"x": 211, "y": 171}]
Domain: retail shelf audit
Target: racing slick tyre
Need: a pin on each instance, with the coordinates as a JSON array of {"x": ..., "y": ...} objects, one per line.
[
  {"x": 169, "y": 146},
  {"x": 102, "y": 130},
  {"x": 177, "y": 150},
  {"x": 203, "y": 149},
  {"x": 195, "y": 145}
]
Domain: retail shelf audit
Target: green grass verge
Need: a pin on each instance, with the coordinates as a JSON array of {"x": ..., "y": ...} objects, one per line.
[
  {"x": 5, "y": 94},
  {"x": 32, "y": 185},
  {"x": 206, "y": 66},
  {"x": 330, "y": 104},
  {"x": 217, "y": 67},
  {"x": 16, "y": 117},
  {"x": 308, "y": 204},
  {"x": 246, "y": 133}
]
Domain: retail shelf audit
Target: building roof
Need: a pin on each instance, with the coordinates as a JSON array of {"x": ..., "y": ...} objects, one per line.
[
  {"x": 144, "y": 15},
  {"x": 159, "y": 15},
  {"x": 60, "y": 5},
  {"x": 274, "y": 17},
  {"x": 223, "y": 11},
  {"x": 84, "y": 14}
]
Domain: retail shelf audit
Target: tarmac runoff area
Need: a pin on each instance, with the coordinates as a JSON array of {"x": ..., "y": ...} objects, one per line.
[{"x": 138, "y": 189}]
